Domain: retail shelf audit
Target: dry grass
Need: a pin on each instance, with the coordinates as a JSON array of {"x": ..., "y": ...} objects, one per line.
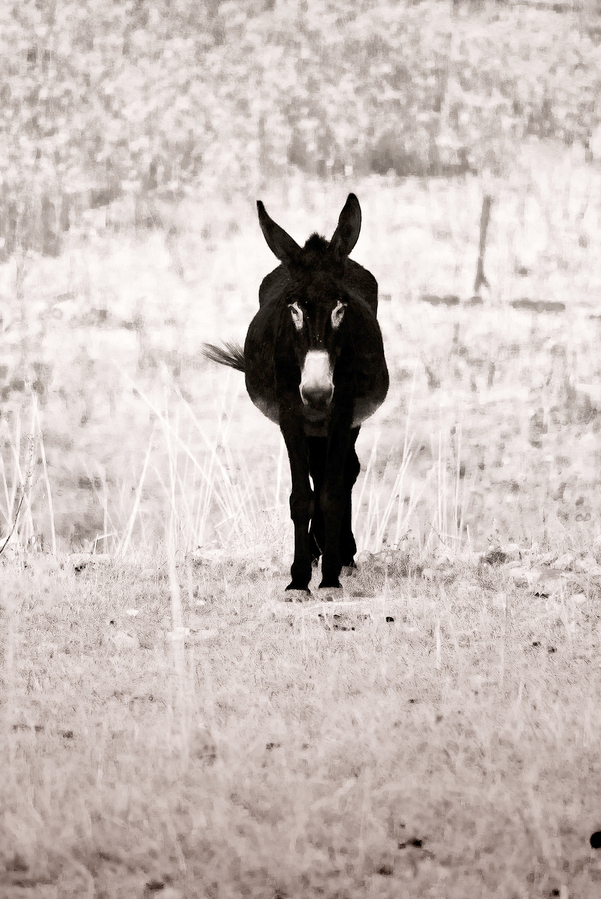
[
  {"x": 109, "y": 341},
  {"x": 439, "y": 738},
  {"x": 167, "y": 723}
]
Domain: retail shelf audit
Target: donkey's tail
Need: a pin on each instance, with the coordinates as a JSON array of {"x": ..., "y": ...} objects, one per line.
[{"x": 230, "y": 354}]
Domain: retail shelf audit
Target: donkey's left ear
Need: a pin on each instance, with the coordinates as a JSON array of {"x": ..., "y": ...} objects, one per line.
[
  {"x": 348, "y": 228},
  {"x": 284, "y": 247}
]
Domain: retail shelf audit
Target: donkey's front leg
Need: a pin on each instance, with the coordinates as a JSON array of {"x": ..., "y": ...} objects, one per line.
[
  {"x": 301, "y": 503},
  {"x": 334, "y": 498}
]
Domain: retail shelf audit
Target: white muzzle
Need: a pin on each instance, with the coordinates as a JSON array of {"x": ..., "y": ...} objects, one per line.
[{"x": 317, "y": 380}]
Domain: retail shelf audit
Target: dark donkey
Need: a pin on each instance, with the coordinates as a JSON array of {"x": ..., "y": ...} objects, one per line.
[{"x": 314, "y": 364}]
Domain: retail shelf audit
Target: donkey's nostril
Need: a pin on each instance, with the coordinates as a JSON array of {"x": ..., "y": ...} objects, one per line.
[{"x": 317, "y": 395}]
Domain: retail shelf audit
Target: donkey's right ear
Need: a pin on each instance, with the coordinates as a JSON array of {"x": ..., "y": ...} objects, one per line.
[
  {"x": 347, "y": 230},
  {"x": 279, "y": 242}
]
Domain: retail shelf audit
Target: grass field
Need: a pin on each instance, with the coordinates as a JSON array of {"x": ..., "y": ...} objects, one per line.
[
  {"x": 168, "y": 724},
  {"x": 429, "y": 736}
]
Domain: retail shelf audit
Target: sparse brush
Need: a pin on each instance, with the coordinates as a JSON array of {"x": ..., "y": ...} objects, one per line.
[
  {"x": 25, "y": 520},
  {"x": 209, "y": 491},
  {"x": 383, "y": 513},
  {"x": 447, "y": 527}
]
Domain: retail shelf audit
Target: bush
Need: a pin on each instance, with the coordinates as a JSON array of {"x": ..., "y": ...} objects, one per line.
[{"x": 99, "y": 99}]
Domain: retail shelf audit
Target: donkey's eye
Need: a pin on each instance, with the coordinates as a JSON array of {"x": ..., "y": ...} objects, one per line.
[
  {"x": 338, "y": 314},
  {"x": 297, "y": 315}
]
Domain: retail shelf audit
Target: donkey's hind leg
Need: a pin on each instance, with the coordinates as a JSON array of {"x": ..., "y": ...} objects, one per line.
[{"x": 348, "y": 547}]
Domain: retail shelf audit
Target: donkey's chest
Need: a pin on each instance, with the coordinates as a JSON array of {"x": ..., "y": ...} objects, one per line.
[{"x": 316, "y": 424}]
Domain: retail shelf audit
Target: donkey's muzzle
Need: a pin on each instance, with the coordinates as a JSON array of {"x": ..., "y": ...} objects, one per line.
[{"x": 317, "y": 381}]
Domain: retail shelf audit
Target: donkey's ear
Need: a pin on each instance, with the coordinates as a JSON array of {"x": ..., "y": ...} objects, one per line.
[
  {"x": 347, "y": 230},
  {"x": 281, "y": 244}
]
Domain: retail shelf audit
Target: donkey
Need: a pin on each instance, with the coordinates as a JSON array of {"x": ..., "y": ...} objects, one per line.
[{"x": 314, "y": 364}]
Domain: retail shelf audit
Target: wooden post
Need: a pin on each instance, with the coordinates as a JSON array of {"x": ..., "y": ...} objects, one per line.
[{"x": 481, "y": 279}]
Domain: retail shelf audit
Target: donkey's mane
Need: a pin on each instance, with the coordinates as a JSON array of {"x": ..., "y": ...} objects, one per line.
[
  {"x": 316, "y": 244},
  {"x": 315, "y": 255}
]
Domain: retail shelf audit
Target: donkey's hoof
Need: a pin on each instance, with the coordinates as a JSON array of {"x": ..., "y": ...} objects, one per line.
[
  {"x": 330, "y": 583},
  {"x": 296, "y": 594},
  {"x": 331, "y": 594}
]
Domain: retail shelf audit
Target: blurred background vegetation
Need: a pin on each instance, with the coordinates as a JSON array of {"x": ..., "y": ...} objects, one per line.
[{"x": 180, "y": 97}]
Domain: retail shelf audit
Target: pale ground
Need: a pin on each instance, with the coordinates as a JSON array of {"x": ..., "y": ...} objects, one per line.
[
  {"x": 435, "y": 734},
  {"x": 173, "y": 726}
]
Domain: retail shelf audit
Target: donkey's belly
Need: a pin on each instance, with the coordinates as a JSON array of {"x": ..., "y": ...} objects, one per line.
[
  {"x": 315, "y": 423},
  {"x": 364, "y": 407},
  {"x": 318, "y": 427},
  {"x": 269, "y": 408}
]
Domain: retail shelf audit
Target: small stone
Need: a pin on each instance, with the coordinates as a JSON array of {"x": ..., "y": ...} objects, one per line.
[{"x": 122, "y": 640}]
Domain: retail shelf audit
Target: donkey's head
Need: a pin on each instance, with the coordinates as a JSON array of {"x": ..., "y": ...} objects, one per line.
[{"x": 316, "y": 297}]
